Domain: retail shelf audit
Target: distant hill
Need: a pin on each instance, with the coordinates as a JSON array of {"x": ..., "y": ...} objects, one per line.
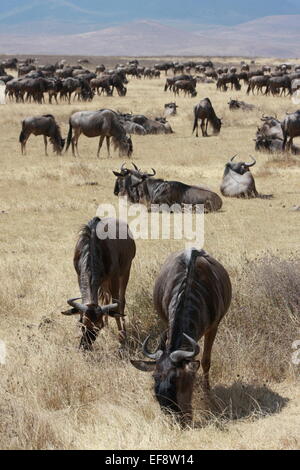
[
  {"x": 76, "y": 16},
  {"x": 269, "y": 36}
]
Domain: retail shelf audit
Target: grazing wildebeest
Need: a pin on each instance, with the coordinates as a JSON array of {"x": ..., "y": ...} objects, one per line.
[
  {"x": 42, "y": 125},
  {"x": 103, "y": 123},
  {"x": 235, "y": 104},
  {"x": 143, "y": 188},
  {"x": 189, "y": 87},
  {"x": 170, "y": 82},
  {"x": 102, "y": 260},
  {"x": 290, "y": 128},
  {"x": 206, "y": 113},
  {"x": 225, "y": 79},
  {"x": 238, "y": 181},
  {"x": 191, "y": 295}
]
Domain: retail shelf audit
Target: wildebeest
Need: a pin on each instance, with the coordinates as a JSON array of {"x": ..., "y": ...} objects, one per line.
[
  {"x": 232, "y": 79},
  {"x": 103, "y": 123},
  {"x": 266, "y": 144},
  {"x": 102, "y": 260},
  {"x": 191, "y": 295},
  {"x": 290, "y": 128},
  {"x": 151, "y": 126},
  {"x": 271, "y": 128},
  {"x": 238, "y": 181},
  {"x": 144, "y": 188},
  {"x": 257, "y": 83},
  {"x": 42, "y": 125},
  {"x": 206, "y": 113},
  {"x": 170, "y": 82},
  {"x": 235, "y": 104},
  {"x": 277, "y": 84},
  {"x": 171, "y": 109},
  {"x": 187, "y": 86}
]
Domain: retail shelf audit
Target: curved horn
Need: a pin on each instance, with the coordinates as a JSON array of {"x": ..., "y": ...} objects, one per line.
[
  {"x": 135, "y": 167},
  {"x": 105, "y": 309},
  {"x": 154, "y": 356},
  {"x": 72, "y": 302},
  {"x": 251, "y": 164},
  {"x": 233, "y": 157},
  {"x": 123, "y": 167},
  {"x": 154, "y": 173},
  {"x": 178, "y": 356}
]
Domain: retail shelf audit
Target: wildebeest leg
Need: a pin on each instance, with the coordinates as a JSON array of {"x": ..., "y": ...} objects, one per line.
[
  {"x": 75, "y": 142},
  {"x": 206, "y": 134},
  {"x": 290, "y": 143},
  {"x": 100, "y": 145},
  {"x": 203, "y": 127},
  {"x": 122, "y": 291},
  {"x": 116, "y": 295},
  {"x": 108, "y": 146},
  {"x": 23, "y": 144},
  {"x": 206, "y": 357},
  {"x": 45, "y": 142}
]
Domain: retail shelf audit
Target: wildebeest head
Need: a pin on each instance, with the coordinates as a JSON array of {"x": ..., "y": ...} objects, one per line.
[
  {"x": 122, "y": 181},
  {"x": 174, "y": 375},
  {"x": 128, "y": 181},
  {"x": 91, "y": 319},
  {"x": 125, "y": 146},
  {"x": 241, "y": 168}
]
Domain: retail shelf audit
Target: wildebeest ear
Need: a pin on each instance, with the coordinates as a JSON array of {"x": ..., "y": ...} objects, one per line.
[
  {"x": 73, "y": 311},
  {"x": 144, "y": 366},
  {"x": 193, "y": 366}
]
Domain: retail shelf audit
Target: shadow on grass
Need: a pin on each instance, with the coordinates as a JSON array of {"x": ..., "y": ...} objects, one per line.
[{"x": 236, "y": 402}]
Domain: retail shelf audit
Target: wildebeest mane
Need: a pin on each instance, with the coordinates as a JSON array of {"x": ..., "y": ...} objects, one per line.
[
  {"x": 187, "y": 299},
  {"x": 88, "y": 259}
]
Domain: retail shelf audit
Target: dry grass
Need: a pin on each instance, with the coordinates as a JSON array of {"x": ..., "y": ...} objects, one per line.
[{"x": 51, "y": 395}]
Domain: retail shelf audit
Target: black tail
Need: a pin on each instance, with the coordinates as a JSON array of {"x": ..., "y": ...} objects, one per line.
[
  {"x": 69, "y": 136},
  {"x": 195, "y": 122},
  {"x": 22, "y": 134}
]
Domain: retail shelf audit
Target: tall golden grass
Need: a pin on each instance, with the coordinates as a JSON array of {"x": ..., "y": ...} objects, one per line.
[{"x": 54, "y": 397}]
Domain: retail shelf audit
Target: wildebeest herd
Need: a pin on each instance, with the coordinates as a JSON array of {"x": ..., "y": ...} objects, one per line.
[{"x": 192, "y": 292}]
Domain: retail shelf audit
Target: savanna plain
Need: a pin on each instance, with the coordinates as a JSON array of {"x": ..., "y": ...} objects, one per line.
[{"x": 53, "y": 396}]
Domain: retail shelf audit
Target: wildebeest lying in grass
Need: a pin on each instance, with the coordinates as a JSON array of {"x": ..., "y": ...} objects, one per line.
[
  {"x": 239, "y": 182},
  {"x": 266, "y": 144},
  {"x": 42, "y": 125},
  {"x": 144, "y": 188},
  {"x": 151, "y": 126},
  {"x": 235, "y": 105},
  {"x": 102, "y": 264},
  {"x": 191, "y": 295},
  {"x": 271, "y": 128}
]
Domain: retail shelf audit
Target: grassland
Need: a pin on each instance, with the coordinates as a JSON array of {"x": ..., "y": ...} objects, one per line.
[{"x": 54, "y": 397}]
